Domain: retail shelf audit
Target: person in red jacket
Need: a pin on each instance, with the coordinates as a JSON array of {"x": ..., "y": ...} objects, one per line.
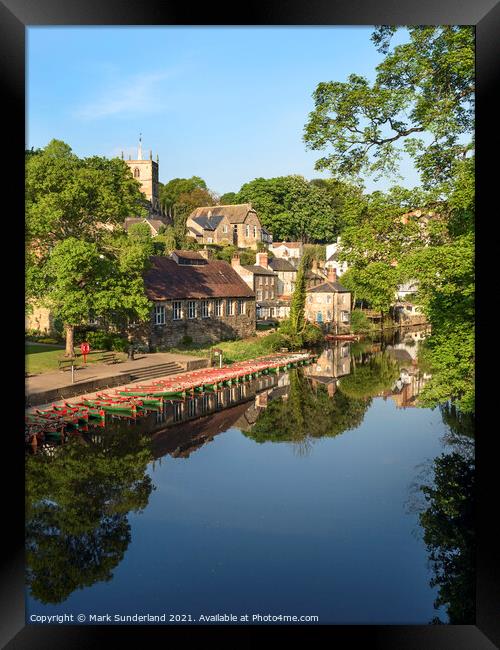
[{"x": 85, "y": 349}]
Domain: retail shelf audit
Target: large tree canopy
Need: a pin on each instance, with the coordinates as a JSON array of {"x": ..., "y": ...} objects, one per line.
[
  {"x": 424, "y": 86},
  {"x": 79, "y": 260},
  {"x": 293, "y": 208},
  {"x": 67, "y": 196}
]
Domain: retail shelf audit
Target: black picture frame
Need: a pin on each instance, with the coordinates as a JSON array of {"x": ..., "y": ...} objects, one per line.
[{"x": 15, "y": 17}]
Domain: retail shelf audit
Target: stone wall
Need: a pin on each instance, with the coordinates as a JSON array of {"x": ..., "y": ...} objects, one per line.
[
  {"x": 251, "y": 240},
  {"x": 203, "y": 330}
]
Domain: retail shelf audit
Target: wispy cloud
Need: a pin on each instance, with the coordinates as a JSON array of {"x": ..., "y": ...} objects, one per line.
[{"x": 136, "y": 94}]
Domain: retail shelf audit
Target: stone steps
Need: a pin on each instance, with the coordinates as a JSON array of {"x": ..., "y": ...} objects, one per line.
[{"x": 153, "y": 372}]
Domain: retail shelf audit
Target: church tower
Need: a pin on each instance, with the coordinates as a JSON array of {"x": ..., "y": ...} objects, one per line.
[{"x": 146, "y": 172}]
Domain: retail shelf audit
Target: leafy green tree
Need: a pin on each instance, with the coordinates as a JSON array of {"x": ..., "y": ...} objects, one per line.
[
  {"x": 79, "y": 280},
  {"x": 423, "y": 86},
  {"x": 229, "y": 198},
  {"x": 77, "y": 502},
  {"x": 292, "y": 208},
  {"x": 79, "y": 261},
  {"x": 170, "y": 192},
  {"x": 298, "y": 301},
  {"x": 446, "y": 293},
  {"x": 71, "y": 197},
  {"x": 140, "y": 233},
  {"x": 374, "y": 284}
]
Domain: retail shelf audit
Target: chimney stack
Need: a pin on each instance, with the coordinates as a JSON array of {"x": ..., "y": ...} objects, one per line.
[
  {"x": 262, "y": 259},
  {"x": 332, "y": 275},
  {"x": 235, "y": 261}
]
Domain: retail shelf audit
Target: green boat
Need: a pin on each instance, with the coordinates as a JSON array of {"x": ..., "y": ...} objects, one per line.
[
  {"x": 152, "y": 393},
  {"x": 113, "y": 407}
]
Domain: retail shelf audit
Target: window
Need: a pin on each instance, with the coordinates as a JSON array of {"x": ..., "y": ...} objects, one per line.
[
  {"x": 255, "y": 232},
  {"x": 224, "y": 228},
  {"x": 261, "y": 280},
  {"x": 210, "y": 240},
  {"x": 218, "y": 307},
  {"x": 247, "y": 230},
  {"x": 310, "y": 298},
  {"x": 271, "y": 295},
  {"x": 191, "y": 309},
  {"x": 241, "y": 306},
  {"x": 204, "y": 308},
  {"x": 159, "y": 315},
  {"x": 177, "y": 311},
  {"x": 259, "y": 295},
  {"x": 137, "y": 173},
  {"x": 328, "y": 299},
  {"x": 329, "y": 315},
  {"x": 345, "y": 316},
  {"x": 266, "y": 294},
  {"x": 229, "y": 307}
]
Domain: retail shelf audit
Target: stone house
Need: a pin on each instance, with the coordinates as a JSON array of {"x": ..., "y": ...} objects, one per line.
[
  {"x": 197, "y": 297},
  {"x": 329, "y": 304},
  {"x": 291, "y": 250},
  {"x": 264, "y": 283},
  {"x": 232, "y": 224}
]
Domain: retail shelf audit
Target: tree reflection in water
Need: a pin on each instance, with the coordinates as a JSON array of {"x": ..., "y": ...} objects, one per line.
[
  {"x": 306, "y": 414},
  {"x": 77, "y": 502},
  {"x": 446, "y": 513}
]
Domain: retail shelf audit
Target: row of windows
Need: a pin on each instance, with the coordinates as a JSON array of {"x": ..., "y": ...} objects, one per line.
[
  {"x": 199, "y": 309},
  {"x": 266, "y": 279},
  {"x": 265, "y": 295}
]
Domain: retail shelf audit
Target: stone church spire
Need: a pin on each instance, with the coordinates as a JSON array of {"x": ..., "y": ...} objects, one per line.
[{"x": 139, "y": 149}]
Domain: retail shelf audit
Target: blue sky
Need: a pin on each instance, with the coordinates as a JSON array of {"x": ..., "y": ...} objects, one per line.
[{"x": 228, "y": 104}]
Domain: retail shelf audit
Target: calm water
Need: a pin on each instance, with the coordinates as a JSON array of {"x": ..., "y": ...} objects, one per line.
[{"x": 302, "y": 494}]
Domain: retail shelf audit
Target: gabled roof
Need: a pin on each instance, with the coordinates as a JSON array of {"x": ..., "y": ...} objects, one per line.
[
  {"x": 167, "y": 280},
  {"x": 328, "y": 287},
  {"x": 236, "y": 213},
  {"x": 279, "y": 264}
]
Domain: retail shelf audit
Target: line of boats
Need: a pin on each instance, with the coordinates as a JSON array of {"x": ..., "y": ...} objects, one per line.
[{"x": 53, "y": 422}]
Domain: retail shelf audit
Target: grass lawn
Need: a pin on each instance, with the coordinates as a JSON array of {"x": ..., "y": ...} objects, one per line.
[
  {"x": 239, "y": 350},
  {"x": 44, "y": 358}
]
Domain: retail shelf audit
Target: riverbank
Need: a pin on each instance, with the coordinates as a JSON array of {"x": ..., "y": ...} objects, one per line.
[{"x": 51, "y": 387}]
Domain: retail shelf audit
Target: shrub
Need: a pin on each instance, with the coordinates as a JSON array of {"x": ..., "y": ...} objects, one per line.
[
  {"x": 360, "y": 322},
  {"x": 119, "y": 344},
  {"x": 186, "y": 340}
]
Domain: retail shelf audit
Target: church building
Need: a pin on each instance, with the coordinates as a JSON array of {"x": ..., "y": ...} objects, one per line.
[{"x": 146, "y": 172}]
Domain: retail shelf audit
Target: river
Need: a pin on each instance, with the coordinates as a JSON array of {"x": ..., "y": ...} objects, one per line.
[{"x": 321, "y": 492}]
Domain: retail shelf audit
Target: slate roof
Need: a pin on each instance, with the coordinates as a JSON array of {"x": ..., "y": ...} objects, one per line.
[
  {"x": 167, "y": 280},
  {"x": 236, "y": 213},
  {"x": 259, "y": 270},
  {"x": 279, "y": 264},
  {"x": 208, "y": 223},
  {"x": 328, "y": 287}
]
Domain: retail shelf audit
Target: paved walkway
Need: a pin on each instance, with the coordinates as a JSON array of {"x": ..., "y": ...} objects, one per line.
[{"x": 60, "y": 380}]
